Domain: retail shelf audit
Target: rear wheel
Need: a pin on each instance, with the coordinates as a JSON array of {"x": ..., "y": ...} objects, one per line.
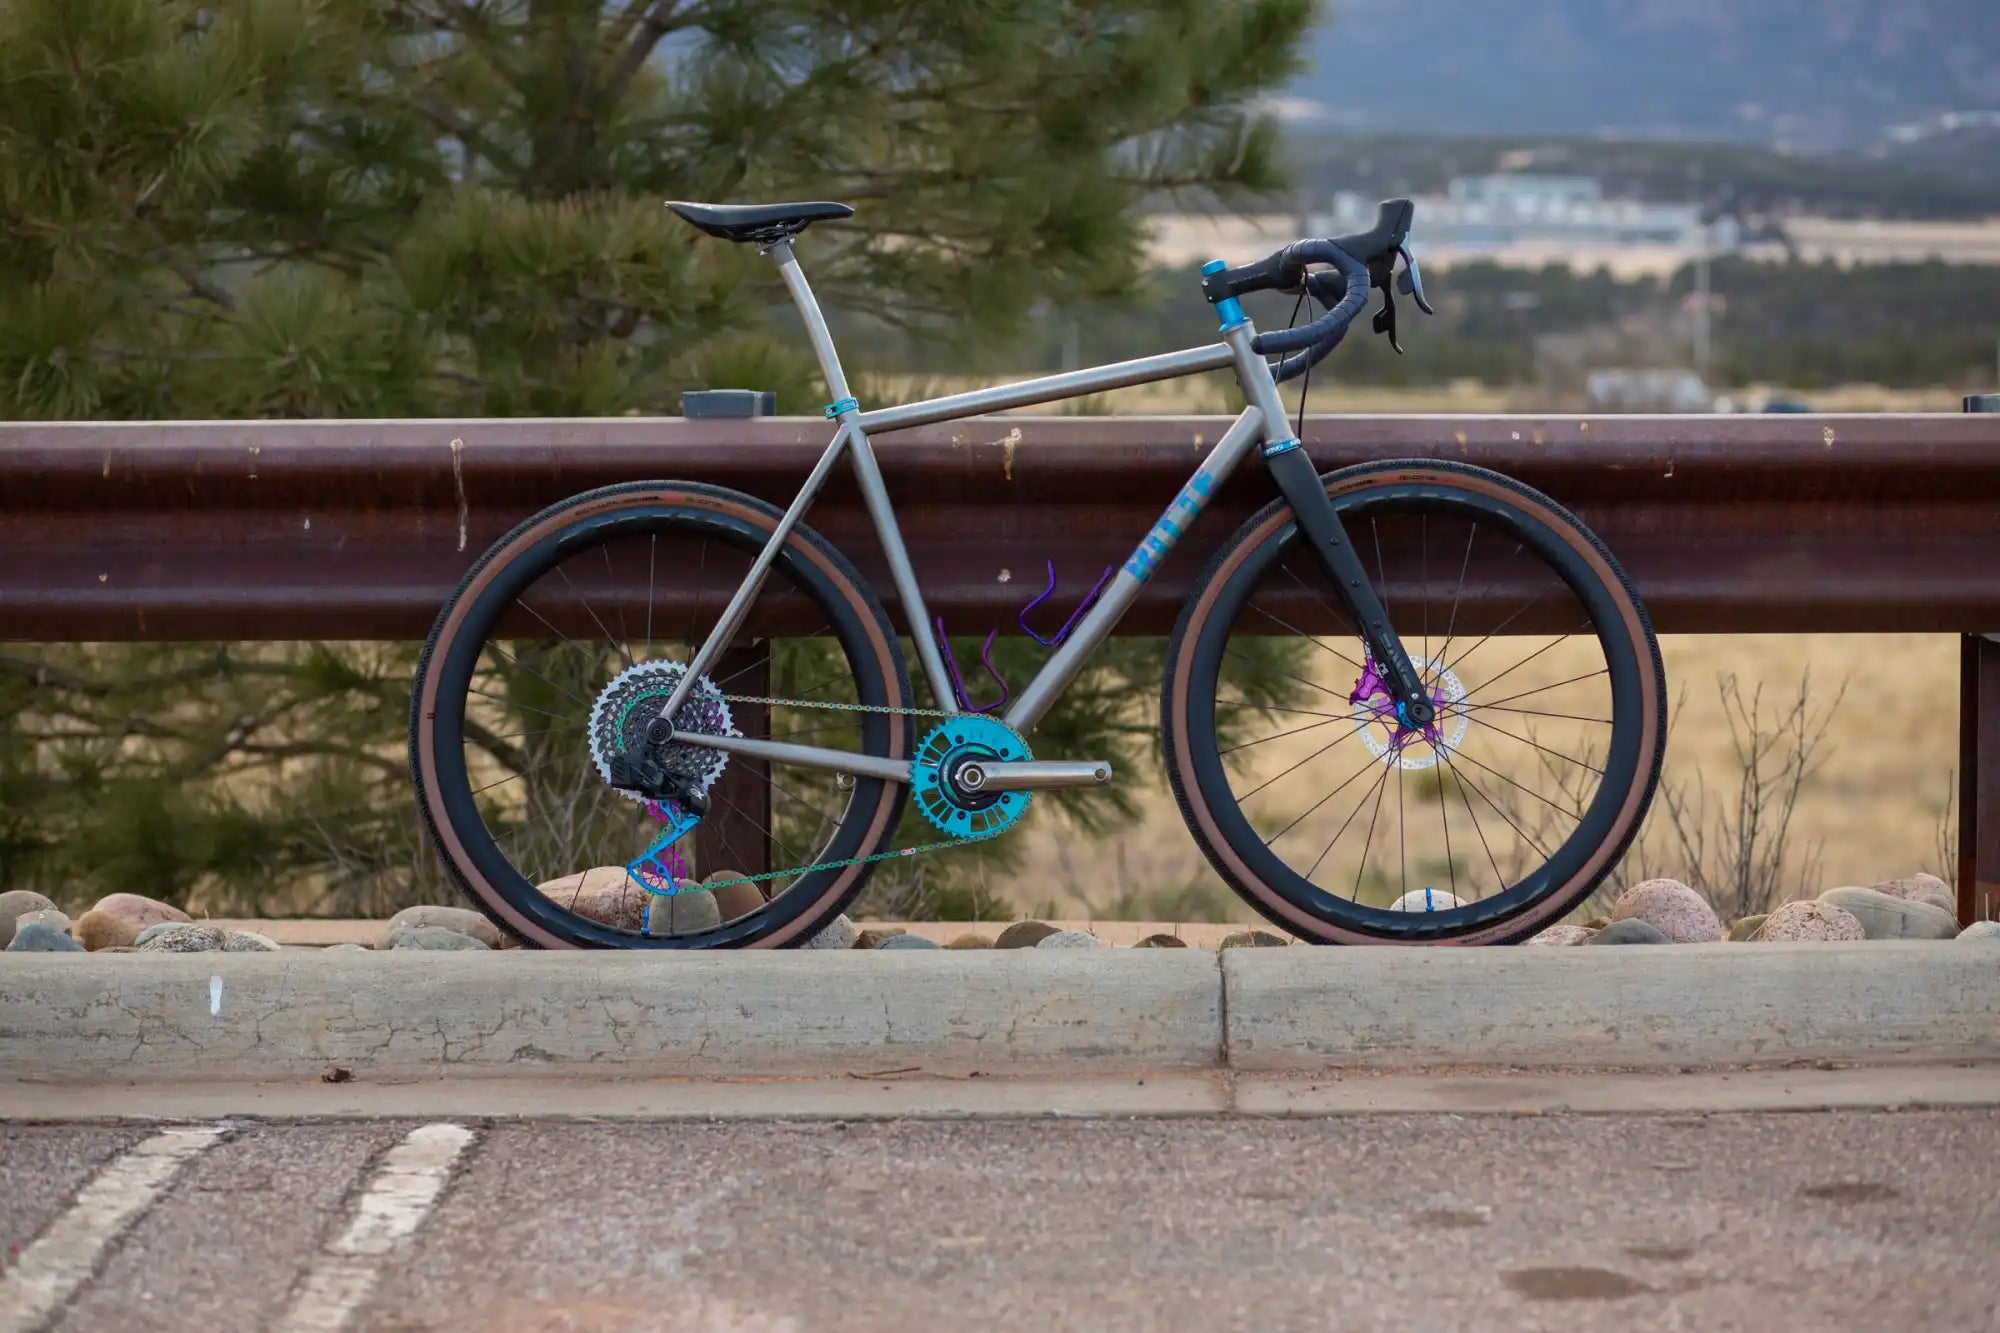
[
  {"x": 1335, "y": 820},
  {"x": 560, "y": 648}
]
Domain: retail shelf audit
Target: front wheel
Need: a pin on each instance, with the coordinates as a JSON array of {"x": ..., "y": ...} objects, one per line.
[{"x": 1332, "y": 817}]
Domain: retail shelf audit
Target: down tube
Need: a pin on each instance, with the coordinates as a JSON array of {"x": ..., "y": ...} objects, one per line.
[{"x": 1056, "y": 675}]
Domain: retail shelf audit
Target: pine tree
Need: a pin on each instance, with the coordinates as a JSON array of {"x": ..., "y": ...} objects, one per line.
[{"x": 274, "y": 208}]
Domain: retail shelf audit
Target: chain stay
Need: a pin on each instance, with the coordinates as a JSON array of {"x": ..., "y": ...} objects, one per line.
[{"x": 853, "y": 860}]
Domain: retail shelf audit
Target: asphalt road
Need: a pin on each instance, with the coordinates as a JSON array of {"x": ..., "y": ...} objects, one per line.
[{"x": 1829, "y": 1220}]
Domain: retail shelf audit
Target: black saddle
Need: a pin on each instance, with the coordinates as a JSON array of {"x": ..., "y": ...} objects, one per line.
[{"x": 762, "y": 223}]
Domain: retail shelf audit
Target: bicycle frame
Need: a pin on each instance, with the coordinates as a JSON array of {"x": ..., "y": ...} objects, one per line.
[{"x": 1262, "y": 421}]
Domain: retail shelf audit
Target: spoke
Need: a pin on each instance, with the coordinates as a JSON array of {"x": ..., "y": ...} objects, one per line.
[
  {"x": 1340, "y": 832},
  {"x": 1459, "y": 781},
  {"x": 694, "y": 616},
  {"x": 768, "y": 831},
  {"x": 1512, "y": 783},
  {"x": 1371, "y": 762},
  {"x": 1540, "y": 689},
  {"x": 1369, "y": 841},
  {"x": 601, "y": 626},
  {"x": 1294, "y": 768},
  {"x": 610, "y": 574},
  {"x": 652, "y": 559},
  {"x": 1491, "y": 681},
  {"x": 1534, "y": 712},
  {"x": 522, "y": 602},
  {"x": 513, "y": 777},
  {"x": 517, "y": 664},
  {"x": 1402, "y": 825},
  {"x": 1458, "y": 593},
  {"x": 1424, "y": 574},
  {"x": 1300, "y": 679},
  {"x": 1444, "y": 815},
  {"x": 513, "y": 703},
  {"x": 1280, "y": 620},
  {"x": 824, "y": 818},
  {"x": 1519, "y": 611},
  {"x": 1313, "y": 593},
  {"x": 1278, "y": 736},
  {"x": 1506, "y": 818},
  {"x": 1276, "y": 708},
  {"x": 1525, "y": 740}
]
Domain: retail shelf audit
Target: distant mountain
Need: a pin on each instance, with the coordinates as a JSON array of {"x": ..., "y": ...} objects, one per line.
[{"x": 1809, "y": 74}]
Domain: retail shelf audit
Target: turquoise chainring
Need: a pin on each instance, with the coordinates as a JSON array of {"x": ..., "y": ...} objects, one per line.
[{"x": 966, "y": 736}]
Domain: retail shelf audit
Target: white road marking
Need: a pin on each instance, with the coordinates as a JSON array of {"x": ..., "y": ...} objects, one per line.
[
  {"x": 62, "y": 1257},
  {"x": 396, "y": 1203}
]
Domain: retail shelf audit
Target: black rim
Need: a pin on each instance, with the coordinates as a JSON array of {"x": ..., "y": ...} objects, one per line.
[
  {"x": 620, "y": 625},
  {"x": 1464, "y": 781}
]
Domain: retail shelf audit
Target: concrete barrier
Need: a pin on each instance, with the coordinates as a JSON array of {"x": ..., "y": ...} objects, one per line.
[
  {"x": 1686, "y": 1004},
  {"x": 288, "y": 1015},
  {"x": 263, "y": 1017}
]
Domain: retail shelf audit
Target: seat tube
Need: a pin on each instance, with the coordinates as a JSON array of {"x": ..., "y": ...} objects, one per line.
[{"x": 868, "y": 473}]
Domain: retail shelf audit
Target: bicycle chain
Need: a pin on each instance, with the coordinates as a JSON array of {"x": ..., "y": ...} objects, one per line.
[{"x": 852, "y": 860}]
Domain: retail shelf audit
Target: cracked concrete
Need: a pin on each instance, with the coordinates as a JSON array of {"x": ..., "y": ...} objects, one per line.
[{"x": 147, "y": 1018}]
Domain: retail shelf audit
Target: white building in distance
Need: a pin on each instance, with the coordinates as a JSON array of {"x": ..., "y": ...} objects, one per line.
[{"x": 1509, "y": 212}]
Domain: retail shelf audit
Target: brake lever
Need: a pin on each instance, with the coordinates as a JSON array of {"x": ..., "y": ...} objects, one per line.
[
  {"x": 1411, "y": 282},
  {"x": 1385, "y": 319}
]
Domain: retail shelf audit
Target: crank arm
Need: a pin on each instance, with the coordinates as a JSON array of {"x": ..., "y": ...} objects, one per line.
[
  {"x": 1322, "y": 529},
  {"x": 1032, "y": 774}
]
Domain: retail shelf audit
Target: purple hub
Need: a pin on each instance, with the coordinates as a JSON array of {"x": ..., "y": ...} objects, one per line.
[{"x": 1372, "y": 693}]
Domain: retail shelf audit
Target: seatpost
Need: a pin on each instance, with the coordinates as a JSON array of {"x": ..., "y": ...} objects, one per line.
[{"x": 842, "y": 403}]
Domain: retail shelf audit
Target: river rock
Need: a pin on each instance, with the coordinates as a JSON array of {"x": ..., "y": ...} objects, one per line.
[
  {"x": 1161, "y": 942},
  {"x": 16, "y": 903},
  {"x": 838, "y": 933},
  {"x": 137, "y": 908},
  {"x": 1982, "y": 930},
  {"x": 48, "y": 916},
  {"x": 433, "y": 938},
  {"x": 908, "y": 941},
  {"x": 349, "y": 947},
  {"x": 876, "y": 936},
  {"x": 461, "y": 919},
  {"x": 1069, "y": 939},
  {"x": 970, "y": 940},
  {"x": 1671, "y": 907},
  {"x": 1809, "y": 920},
  {"x": 1883, "y": 917},
  {"x": 734, "y": 900},
  {"x": 604, "y": 894},
  {"x": 1253, "y": 939},
  {"x": 1746, "y": 927},
  {"x": 1920, "y": 888},
  {"x": 180, "y": 937},
  {"x": 40, "y": 937},
  {"x": 1563, "y": 934},
  {"x": 1024, "y": 935},
  {"x": 1425, "y": 900},
  {"x": 248, "y": 941},
  {"x": 688, "y": 912},
  {"x": 98, "y": 929}
]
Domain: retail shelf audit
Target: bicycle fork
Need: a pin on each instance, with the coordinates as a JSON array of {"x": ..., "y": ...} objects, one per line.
[{"x": 1298, "y": 480}]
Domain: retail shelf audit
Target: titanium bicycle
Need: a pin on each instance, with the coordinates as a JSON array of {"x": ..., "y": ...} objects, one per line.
[{"x": 1410, "y": 701}]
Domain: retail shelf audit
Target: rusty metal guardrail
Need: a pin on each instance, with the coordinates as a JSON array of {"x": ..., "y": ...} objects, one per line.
[{"x": 359, "y": 529}]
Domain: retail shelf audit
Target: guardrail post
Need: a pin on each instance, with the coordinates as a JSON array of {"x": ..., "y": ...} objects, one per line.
[
  {"x": 734, "y": 835},
  {"x": 1979, "y": 759}
]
